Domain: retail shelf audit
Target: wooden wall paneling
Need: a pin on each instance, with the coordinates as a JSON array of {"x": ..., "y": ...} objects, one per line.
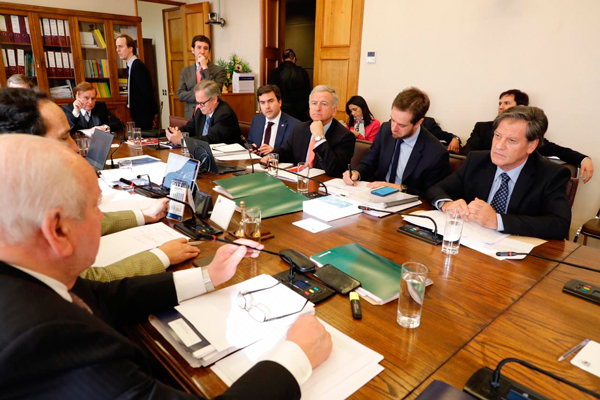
[
  {"x": 272, "y": 36},
  {"x": 174, "y": 48}
]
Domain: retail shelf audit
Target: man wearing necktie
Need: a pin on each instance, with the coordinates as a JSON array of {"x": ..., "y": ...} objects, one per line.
[
  {"x": 404, "y": 154},
  {"x": 202, "y": 69},
  {"x": 512, "y": 188},
  {"x": 86, "y": 113},
  {"x": 323, "y": 143},
  {"x": 214, "y": 121}
]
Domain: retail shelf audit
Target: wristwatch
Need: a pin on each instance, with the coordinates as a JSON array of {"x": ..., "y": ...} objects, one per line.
[
  {"x": 207, "y": 282},
  {"x": 318, "y": 138}
]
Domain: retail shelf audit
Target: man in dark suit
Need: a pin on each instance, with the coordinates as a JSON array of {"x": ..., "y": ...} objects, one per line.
[
  {"x": 60, "y": 336},
  {"x": 86, "y": 113},
  {"x": 511, "y": 189},
  {"x": 483, "y": 134},
  {"x": 140, "y": 92},
  {"x": 322, "y": 143},
  {"x": 294, "y": 83},
  {"x": 452, "y": 141},
  {"x": 272, "y": 127},
  {"x": 404, "y": 155},
  {"x": 214, "y": 121},
  {"x": 202, "y": 69}
]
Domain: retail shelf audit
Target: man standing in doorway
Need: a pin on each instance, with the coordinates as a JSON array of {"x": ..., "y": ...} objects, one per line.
[{"x": 294, "y": 84}]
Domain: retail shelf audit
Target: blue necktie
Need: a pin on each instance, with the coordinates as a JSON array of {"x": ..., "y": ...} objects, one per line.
[
  {"x": 206, "y": 126},
  {"x": 500, "y": 200},
  {"x": 395, "y": 161}
]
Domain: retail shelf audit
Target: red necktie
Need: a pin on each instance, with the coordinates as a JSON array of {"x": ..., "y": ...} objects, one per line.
[
  {"x": 198, "y": 75},
  {"x": 311, "y": 152},
  {"x": 268, "y": 133}
]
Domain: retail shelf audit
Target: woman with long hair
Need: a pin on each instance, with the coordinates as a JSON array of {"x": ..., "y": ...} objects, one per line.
[{"x": 361, "y": 122}]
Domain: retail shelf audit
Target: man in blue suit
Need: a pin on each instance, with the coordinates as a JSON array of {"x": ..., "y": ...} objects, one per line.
[{"x": 272, "y": 127}]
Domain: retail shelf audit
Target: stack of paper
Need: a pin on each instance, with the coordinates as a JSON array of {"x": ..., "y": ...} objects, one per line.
[
  {"x": 141, "y": 165},
  {"x": 61, "y": 91},
  {"x": 231, "y": 152},
  {"x": 214, "y": 325},
  {"x": 350, "y": 366},
  {"x": 284, "y": 175},
  {"x": 330, "y": 208},
  {"x": 121, "y": 200},
  {"x": 243, "y": 82}
]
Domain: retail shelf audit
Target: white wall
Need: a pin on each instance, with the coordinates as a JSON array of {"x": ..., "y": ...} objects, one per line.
[
  {"x": 152, "y": 28},
  {"x": 121, "y": 7},
  {"x": 464, "y": 53}
]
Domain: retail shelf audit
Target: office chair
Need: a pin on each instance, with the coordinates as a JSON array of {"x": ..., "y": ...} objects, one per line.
[{"x": 589, "y": 229}]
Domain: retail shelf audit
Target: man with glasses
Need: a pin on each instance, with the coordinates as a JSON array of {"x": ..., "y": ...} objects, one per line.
[{"x": 213, "y": 121}]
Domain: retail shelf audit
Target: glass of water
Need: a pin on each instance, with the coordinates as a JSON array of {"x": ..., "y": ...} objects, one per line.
[
  {"x": 83, "y": 143},
  {"x": 127, "y": 167},
  {"x": 455, "y": 220},
  {"x": 184, "y": 149},
  {"x": 303, "y": 174},
  {"x": 252, "y": 224},
  {"x": 137, "y": 138},
  {"x": 130, "y": 126},
  {"x": 272, "y": 163},
  {"x": 412, "y": 294}
]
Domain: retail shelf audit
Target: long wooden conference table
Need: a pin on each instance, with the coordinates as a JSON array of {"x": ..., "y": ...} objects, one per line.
[{"x": 478, "y": 311}]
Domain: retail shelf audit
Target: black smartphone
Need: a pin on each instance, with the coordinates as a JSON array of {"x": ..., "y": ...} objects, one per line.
[{"x": 338, "y": 280}]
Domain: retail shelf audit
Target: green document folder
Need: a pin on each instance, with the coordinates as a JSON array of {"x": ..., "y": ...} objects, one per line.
[
  {"x": 377, "y": 274},
  {"x": 247, "y": 185},
  {"x": 275, "y": 201}
]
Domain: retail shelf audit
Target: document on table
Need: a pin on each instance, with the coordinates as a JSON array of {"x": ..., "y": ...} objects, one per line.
[
  {"x": 349, "y": 367},
  {"x": 156, "y": 170},
  {"x": 314, "y": 172},
  {"x": 121, "y": 200},
  {"x": 120, "y": 245},
  {"x": 588, "y": 358}
]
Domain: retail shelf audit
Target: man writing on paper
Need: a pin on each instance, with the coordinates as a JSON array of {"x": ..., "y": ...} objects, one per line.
[
  {"x": 272, "y": 127},
  {"x": 213, "y": 121},
  {"x": 202, "y": 70},
  {"x": 404, "y": 155},
  {"x": 323, "y": 142},
  {"x": 512, "y": 188},
  {"x": 86, "y": 113},
  {"x": 60, "y": 335},
  {"x": 26, "y": 111},
  {"x": 483, "y": 134}
]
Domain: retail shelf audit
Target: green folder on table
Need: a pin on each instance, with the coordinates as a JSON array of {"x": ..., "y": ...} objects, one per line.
[
  {"x": 378, "y": 275},
  {"x": 264, "y": 191}
]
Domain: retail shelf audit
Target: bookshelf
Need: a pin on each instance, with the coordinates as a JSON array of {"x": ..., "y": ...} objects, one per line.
[{"x": 60, "y": 48}]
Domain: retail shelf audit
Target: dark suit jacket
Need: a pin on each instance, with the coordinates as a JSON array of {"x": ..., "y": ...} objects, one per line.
[
  {"x": 53, "y": 349},
  {"x": 287, "y": 123},
  {"x": 142, "y": 105},
  {"x": 187, "y": 81},
  {"x": 294, "y": 83},
  {"x": 427, "y": 165},
  {"x": 100, "y": 116},
  {"x": 538, "y": 205},
  {"x": 432, "y": 126},
  {"x": 483, "y": 134},
  {"x": 333, "y": 156},
  {"x": 224, "y": 126}
]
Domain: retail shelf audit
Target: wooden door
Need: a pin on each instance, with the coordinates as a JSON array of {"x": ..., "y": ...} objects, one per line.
[
  {"x": 338, "y": 33},
  {"x": 272, "y": 36},
  {"x": 181, "y": 25}
]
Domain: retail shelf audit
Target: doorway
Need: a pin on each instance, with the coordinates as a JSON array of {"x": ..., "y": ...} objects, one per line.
[{"x": 300, "y": 32}]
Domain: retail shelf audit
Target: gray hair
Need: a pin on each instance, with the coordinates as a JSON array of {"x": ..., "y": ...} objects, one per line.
[
  {"x": 34, "y": 187},
  {"x": 211, "y": 88},
  {"x": 20, "y": 80},
  {"x": 325, "y": 88},
  {"x": 537, "y": 122}
]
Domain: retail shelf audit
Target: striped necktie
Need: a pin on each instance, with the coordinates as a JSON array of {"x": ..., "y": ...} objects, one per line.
[{"x": 206, "y": 126}]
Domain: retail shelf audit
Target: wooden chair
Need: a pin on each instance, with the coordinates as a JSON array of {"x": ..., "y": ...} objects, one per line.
[
  {"x": 589, "y": 229},
  {"x": 361, "y": 147}
]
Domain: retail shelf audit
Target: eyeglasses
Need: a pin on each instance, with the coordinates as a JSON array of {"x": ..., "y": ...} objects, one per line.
[
  {"x": 203, "y": 103},
  {"x": 257, "y": 313}
]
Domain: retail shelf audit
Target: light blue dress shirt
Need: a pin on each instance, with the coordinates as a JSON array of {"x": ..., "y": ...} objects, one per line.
[
  {"x": 406, "y": 149},
  {"x": 513, "y": 174}
]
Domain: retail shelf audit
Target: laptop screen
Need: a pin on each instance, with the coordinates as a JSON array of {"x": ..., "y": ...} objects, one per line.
[
  {"x": 180, "y": 168},
  {"x": 99, "y": 149},
  {"x": 200, "y": 150}
]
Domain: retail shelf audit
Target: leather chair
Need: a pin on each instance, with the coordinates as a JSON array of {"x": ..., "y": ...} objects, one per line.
[
  {"x": 455, "y": 162},
  {"x": 245, "y": 128},
  {"x": 573, "y": 183},
  {"x": 361, "y": 147},
  {"x": 177, "y": 121},
  {"x": 589, "y": 229}
]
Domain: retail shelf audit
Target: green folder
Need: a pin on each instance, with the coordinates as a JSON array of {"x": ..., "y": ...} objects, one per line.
[
  {"x": 274, "y": 201},
  {"x": 251, "y": 184},
  {"x": 377, "y": 274}
]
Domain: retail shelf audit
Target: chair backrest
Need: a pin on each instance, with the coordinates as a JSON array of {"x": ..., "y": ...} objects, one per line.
[
  {"x": 177, "y": 121},
  {"x": 361, "y": 147},
  {"x": 573, "y": 183},
  {"x": 455, "y": 162},
  {"x": 245, "y": 128}
]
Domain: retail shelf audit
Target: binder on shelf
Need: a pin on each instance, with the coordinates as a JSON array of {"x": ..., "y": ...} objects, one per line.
[
  {"x": 87, "y": 39},
  {"x": 71, "y": 63},
  {"x": 67, "y": 33},
  {"x": 22, "y": 29},
  {"x": 21, "y": 61},
  {"x": 54, "y": 32},
  {"x": 47, "y": 31},
  {"x": 62, "y": 40},
  {"x": 60, "y": 71},
  {"x": 5, "y": 62},
  {"x": 99, "y": 39},
  {"x": 3, "y": 30},
  {"x": 16, "y": 29},
  {"x": 12, "y": 61},
  {"x": 66, "y": 66},
  {"x": 10, "y": 34},
  {"x": 27, "y": 31},
  {"x": 51, "y": 64}
]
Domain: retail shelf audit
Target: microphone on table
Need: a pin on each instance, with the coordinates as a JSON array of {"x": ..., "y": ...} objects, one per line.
[
  {"x": 213, "y": 238},
  {"x": 514, "y": 253},
  {"x": 249, "y": 152},
  {"x": 112, "y": 163},
  {"x": 413, "y": 230},
  {"x": 316, "y": 194}
]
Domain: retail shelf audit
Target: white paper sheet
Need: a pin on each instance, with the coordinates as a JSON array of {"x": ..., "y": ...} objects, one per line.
[
  {"x": 120, "y": 245},
  {"x": 588, "y": 358},
  {"x": 156, "y": 170},
  {"x": 120, "y": 200},
  {"x": 311, "y": 225},
  {"x": 236, "y": 157}
]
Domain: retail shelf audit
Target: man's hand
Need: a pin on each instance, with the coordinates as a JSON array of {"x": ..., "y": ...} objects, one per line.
[
  {"x": 587, "y": 169},
  {"x": 178, "y": 250},
  {"x": 265, "y": 149},
  {"x": 454, "y": 146},
  {"x": 308, "y": 333},
  {"x": 350, "y": 180},
  {"x": 78, "y": 105},
  {"x": 227, "y": 258},
  {"x": 316, "y": 128},
  {"x": 203, "y": 61},
  {"x": 156, "y": 211},
  {"x": 104, "y": 128},
  {"x": 482, "y": 213},
  {"x": 174, "y": 135},
  {"x": 460, "y": 204},
  {"x": 265, "y": 160}
]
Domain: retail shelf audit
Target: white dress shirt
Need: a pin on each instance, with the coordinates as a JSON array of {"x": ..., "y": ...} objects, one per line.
[{"x": 275, "y": 122}]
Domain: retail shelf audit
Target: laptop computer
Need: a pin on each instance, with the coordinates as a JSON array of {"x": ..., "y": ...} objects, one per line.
[
  {"x": 99, "y": 148},
  {"x": 178, "y": 167},
  {"x": 200, "y": 150}
]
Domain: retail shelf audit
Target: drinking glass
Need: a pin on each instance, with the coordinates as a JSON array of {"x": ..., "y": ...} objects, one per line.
[
  {"x": 303, "y": 174},
  {"x": 83, "y": 143},
  {"x": 130, "y": 126},
  {"x": 455, "y": 220},
  {"x": 127, "y": 167},
  {"x": 252, "y": 224},
  {"x": 412, "y": 294},
  {"x": 272, "y": 163},
  {"x": 184, "y": 149},
  {"x": 137, "y": 138}
]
